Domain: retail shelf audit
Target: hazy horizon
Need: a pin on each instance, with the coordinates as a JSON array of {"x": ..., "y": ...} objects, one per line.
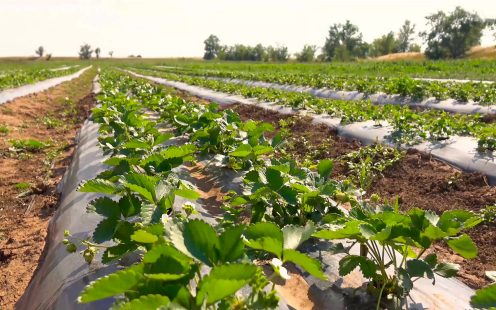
[{"x": 166, "y": 28}]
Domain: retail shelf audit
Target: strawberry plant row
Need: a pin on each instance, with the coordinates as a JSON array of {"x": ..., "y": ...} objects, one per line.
[
  {"x": 417, "y": 90},
  {"x": 409, "y": 126},
  {"x": 191, "y": 264},
  {"x": 16, "y": 78}
]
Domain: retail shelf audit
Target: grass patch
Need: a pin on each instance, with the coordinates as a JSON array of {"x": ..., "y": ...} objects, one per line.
[
  {"x": 22, "y": 186},
  {"x": 28, "y": 145},
  {"x": 4, "y": 129}
]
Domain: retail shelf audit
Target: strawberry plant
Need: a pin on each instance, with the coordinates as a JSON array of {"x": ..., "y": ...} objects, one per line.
[{"x": 393, "y": 244}]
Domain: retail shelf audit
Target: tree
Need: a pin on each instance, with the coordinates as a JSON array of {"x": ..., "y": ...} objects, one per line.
[
  {"x": 48, "y": 57},
  {"x": 111, "y": 53},
  {"x": 212, "y": 47},
  {"x": 344, "y": 42},
  {"x": 307, "y": 54},
  {"x": 414, "y": 47},
  {"x": 405, "y": 36},
  {"x": 97, "y": 52},
  {"x": 452, "y": 35},
  {"x": 85, "y": 51},
  {"x": 384, "y": 45},
  {"x": 40, "y": 51},
  {"x": 279, "y": 53}
]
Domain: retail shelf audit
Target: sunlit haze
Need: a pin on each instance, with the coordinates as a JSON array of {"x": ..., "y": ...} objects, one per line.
[{"x": 166, "y": 28}]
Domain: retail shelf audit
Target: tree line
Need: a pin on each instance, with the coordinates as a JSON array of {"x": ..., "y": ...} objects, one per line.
[{"x": 449, "y": 35}]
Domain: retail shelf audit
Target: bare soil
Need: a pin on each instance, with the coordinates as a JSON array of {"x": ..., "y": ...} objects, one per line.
[{"x": 28, "y": 179}]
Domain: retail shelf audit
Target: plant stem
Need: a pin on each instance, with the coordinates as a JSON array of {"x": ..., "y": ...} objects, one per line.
[{"x": 380, "y": 296}]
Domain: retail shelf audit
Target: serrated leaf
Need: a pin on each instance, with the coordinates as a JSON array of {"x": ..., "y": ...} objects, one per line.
[
  {"x": 464, "y": 246},
  {"x": 99, "y": 186},
  {"x": 196, "y": 239},
  {"x": 296, "y": 235},
  {"x": 147, "y": 302},
  {"x": 136, "y": 144},
  {"x": 309, "y": 264},
  {"x": 231, "y": 246},
  {"x": 418, "y": 268},
  {"x": 350, "y": 262},
  {"x": 142, "y": 184},
  {"x": 111, "y": 285},
  {"x": 116, "y": 252},
  {"x": 447, "y": 270},
  {"x": 142, "y": 236},
  {"x": 325, "y": 168},
  {"x": 485, "y": 297},
  {"x": 242, "y": 151},
  {"x": 187, "y": 193},
  {"x": 262, "y": 149},
  {"x": 453, "y": 221},
  {"x": 105, "y": 207},
  {"x": 275, "y": 179},
  {"x": 405, "y": 281},
  {"x": 105, "y": 230},
  {"x": 223, "y": 281},
  {"x": 351, "y": 230},
  {"x": 163, "y": 250},
  {"x": 265, "y": 236}
]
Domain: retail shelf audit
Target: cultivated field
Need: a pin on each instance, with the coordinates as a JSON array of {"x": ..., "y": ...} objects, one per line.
[{"x": 244, "y": 185}]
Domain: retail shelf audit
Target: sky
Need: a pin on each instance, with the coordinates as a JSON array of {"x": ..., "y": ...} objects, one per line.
[{"x": 177, "y": 28}]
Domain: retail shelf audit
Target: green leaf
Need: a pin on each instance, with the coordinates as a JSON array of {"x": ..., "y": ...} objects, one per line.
[
  {"x": 350, "y": 262},
  {"x": 116, "y": 252},
  {"x": 405, "y": 281},
  {"x": 464, "y": 246},
  {"x": 325, "y": 168},
  {"x": 309, "y": 264},
  {"x": 147, "y": 302},
  {"x": 111, "y": 285},
  {"x": 262, "y": 149},
  {"x": 196, "y": 239},
  {"x": 164, "y": 250},
  {"x": 143, "y": 192},
  {"x": 142, "y": 184},
  {"x": 105, "y": 230},
  {"x": 274, "y": 178},
  {"x": 431, "y": 260},
  {"x": 231, "y": 246},
  {"x": 242, "y": 151},
  {"x": 142, "y": 236},
  {"x": 162, "y": 138},
  {"x": 187, "y": 193},
  {"x": 99, "y": 186},
  {"x": 136, "y": 144},
  {"x": 105, "y": 207},
  {"x": 223, "y": 281},
  {"x": 265, "y": 236},
  {"x": 419, "y": 268},
  {"x": 447, "y": 270},
  {"x": 351, "y": 230},
  {"x": 296, "y": 235},
  {"x": 453, "y": 221},
  {"x": 485, "y": 297},
  {"x": 167, "y": 268}
]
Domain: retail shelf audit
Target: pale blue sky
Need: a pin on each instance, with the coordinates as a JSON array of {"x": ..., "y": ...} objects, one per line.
[{"x": 165, "y": 28}]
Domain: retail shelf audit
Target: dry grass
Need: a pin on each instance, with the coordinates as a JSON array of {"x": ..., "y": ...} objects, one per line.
[
  {"x": 477, "y": 52},
  {"x": 482, "y": 52},
  {"x": 402, "y": 56}
]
